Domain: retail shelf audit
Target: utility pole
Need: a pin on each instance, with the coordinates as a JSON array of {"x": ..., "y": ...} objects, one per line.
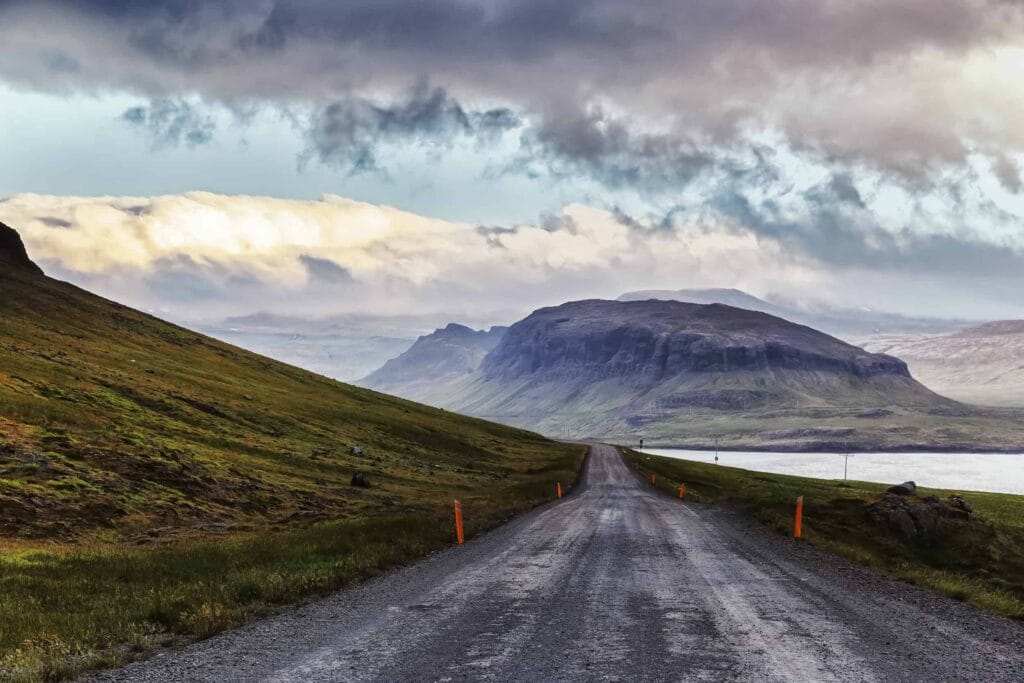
[
  {"x": 846, "y": 464},
  {"x": 716, "y": 450}
]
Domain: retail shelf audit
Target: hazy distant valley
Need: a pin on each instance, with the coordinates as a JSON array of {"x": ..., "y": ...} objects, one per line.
[
  {"x": 343, "y": 347},
  {"x": 983, "y": 365},
  {"x": 756, "y": 400}
]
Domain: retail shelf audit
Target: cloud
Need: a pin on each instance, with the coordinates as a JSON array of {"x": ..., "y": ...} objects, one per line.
[
  {"x": 172, "y": 122},
  {"x": 595, "y": 144},
  {"x": 635, "y": 93},
  {"x": 202, "y": 254},
  {"x": 348, "y": 132}
]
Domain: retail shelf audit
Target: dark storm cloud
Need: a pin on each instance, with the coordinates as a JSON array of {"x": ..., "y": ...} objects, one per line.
[
  {"x": 172, "y": 122},
  {"x": 348, "y": 132},
  {"x": 653, "y": 97},
  {"x": 595, "y": 144},
  {"x": 708, "y": 69}
]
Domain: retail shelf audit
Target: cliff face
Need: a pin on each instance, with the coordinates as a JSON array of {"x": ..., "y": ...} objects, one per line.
[{"x": 649, "y": 342}]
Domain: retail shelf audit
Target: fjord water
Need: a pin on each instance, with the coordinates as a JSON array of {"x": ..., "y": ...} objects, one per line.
[{"x": 994, "y": 472}]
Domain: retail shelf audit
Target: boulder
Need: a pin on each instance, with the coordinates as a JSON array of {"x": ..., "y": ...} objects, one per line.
[
  {"x": 958, "y": 507},
  {"x": 907, "y": 488},
  {"x": 910, "y": 516},
  {"x": 361, "y": 480},
  {"x": 356, "y": 450}
]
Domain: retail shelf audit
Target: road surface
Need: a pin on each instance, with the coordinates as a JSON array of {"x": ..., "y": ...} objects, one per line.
[{"x": 615, "y": 582}]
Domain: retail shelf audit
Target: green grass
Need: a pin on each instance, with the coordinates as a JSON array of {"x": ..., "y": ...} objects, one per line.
[
  {"x": 980, "y": 561},
  {"x": 157, "y": 485}
]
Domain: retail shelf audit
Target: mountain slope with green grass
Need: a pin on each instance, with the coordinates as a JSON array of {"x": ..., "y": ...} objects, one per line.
[{"x": 201, "y": 484}]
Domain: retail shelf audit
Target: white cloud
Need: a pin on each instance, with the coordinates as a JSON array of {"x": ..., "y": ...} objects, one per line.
[{"x": 235, "y": 254}]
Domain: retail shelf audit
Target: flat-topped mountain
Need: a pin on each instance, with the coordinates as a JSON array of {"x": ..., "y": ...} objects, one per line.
[
  {"x": 681, "y": 373},
  {"x": 648, "y": 342},
  {"x": 983, "y": 364}
]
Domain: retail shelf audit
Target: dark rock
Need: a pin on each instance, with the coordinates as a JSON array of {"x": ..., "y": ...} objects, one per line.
[
  {"x": 958, "y": 507},
  {"x": 907, "y": 488},
  {"x": 356, "y": 450},
  {"x": 359, "y": 479},
  {"x": 13, "y": 254},
  {"x": 908, "y": 516}
]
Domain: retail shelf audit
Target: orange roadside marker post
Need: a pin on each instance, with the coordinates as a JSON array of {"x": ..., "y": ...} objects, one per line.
[
  {"x": 682, "y": 491},
  {"x": 458, "y": 523},
  {"x": 558, "y": 487},
  {"x": 654, "y": 478},
  {"x": 799, "y": 519}
]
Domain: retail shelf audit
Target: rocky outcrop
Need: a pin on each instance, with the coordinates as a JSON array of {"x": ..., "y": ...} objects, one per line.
[
  {"x": 908, "y": 516},
  {"x": 13, "y": 255},
  {"x": 907, "y": 488}
]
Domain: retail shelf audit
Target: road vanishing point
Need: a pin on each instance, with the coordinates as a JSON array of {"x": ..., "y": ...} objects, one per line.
[{"x": 616, "y": 582}]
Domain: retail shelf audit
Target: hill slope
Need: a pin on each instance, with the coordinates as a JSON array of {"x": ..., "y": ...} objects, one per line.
[
  {"x": 683, "y": 374},
  {"x": 983, "y": 365},
  {"x": 114, "y": 423},
  {"x": 157, "y": 485}
]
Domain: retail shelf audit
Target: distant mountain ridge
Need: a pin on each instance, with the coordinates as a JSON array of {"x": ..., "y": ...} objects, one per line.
[
  {"x": 680, "y": 373},
  {"x": 842, "y": 322},
  {"x": 444, "y": 355}
]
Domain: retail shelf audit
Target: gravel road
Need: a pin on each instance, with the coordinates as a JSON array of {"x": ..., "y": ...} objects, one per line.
[{"x": 615, "y": 582}]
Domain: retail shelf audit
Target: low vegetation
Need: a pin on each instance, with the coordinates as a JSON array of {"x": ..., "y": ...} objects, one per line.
[
  {"x": 980, "y": 561},
  {"x": 157, "y": 485}
]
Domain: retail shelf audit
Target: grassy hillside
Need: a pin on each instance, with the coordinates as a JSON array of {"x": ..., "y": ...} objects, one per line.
[
  {"x": 156, "y": 484},
  {"x": 980, "y": 561}
]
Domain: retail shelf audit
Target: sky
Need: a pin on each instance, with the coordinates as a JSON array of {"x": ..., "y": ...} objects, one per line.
[{"x": 470, "y": 157}]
